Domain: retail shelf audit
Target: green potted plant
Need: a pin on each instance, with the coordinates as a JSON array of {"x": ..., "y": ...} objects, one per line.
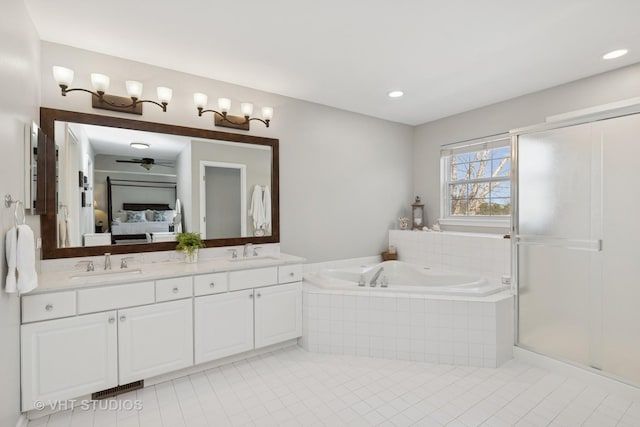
[{"x": 189, "y": 243}]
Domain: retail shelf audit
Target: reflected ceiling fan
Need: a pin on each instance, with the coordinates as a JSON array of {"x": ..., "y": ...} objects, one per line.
[{"x": 147, "y": 162}]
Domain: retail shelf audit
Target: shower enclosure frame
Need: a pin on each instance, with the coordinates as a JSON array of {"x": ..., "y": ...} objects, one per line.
[{"x": 591, "y": 115}]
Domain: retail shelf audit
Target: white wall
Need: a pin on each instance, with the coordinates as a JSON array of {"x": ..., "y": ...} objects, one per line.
[
  {"x": 504, "y": 116},
  {"x": 344, "y": 177},
  {"x": 20, "y": 87}
]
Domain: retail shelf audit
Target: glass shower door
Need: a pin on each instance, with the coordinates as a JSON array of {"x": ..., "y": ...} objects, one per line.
[{"x": 558, "y": 241}]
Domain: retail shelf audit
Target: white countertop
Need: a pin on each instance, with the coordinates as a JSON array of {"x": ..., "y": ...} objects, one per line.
[{"x": 79, "y": 279}]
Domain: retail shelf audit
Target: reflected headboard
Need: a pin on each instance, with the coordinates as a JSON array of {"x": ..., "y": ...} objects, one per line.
[{"x": 145, "y": 206}]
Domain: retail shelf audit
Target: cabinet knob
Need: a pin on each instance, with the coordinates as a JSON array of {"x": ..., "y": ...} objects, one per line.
[
  {"x": 175, "y": 290},
  {"x": 259, "y": 295},
  {"x": 251, "y": 295},
  {"x": 292, "y": 274},
  {"x": 48, "y": 307},
  {"x": 123, "y": 318},
  {"x": 112, "y": 319},
  {"x": 211, "y": 285}
]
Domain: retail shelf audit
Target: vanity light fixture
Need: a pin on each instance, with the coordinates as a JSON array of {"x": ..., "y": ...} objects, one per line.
[
  {"x": 615, "y": 54},
  {"x": 223, "y": 118},
  {"x": 100, "y": 82},
  {"x": 139, "y": 145}
]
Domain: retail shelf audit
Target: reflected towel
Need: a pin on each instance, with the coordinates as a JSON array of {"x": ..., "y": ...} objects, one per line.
[
  {"x": 256, "y": 211},
  {"x": 11, "y": 244},
  {"x": 26, "y": 260},
  {"x": 178, "y": 226},
  {"x": 62, "y": 234},
  {"x": 266, "y": 203}
]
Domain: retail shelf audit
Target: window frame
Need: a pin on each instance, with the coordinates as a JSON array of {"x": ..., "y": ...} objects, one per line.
[{"x": 448, "y": 150}]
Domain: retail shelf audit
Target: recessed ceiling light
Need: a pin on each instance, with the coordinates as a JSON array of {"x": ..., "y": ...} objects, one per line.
[
  {"x": 395, "y": 94},
  {"x": 615, "y": 54},
  {"x": 139, "y": 145}
]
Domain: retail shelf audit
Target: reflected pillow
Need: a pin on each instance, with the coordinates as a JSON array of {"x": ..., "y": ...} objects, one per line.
[
  {"x": 120, "y": 216},
  {"x": 164, "y": 216},
  {"x": 136, "y": 216},
  {"x": 149, "y": 214}
]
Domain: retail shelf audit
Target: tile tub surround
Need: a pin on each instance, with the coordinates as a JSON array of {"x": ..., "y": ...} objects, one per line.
[
  {"x": 488, "y": 255},
  {"x": 463, "y": 331}
]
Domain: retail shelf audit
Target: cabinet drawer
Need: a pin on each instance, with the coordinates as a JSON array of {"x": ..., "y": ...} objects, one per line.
[
  {"x": 255, "y": 278},
  {"x": 48, "y": 306},
  {"x": 290, "y": 273},
  {"x": 113, "y": 297},
  {"x": 176, "y": 288},
  {"x": 207, "y": 284}
]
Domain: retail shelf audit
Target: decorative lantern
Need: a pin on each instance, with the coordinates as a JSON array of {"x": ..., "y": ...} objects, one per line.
[{"x": 417, "y": 214}]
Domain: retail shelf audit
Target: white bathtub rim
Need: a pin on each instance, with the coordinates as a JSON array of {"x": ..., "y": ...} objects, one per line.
[{"x": 375, "y": 292}]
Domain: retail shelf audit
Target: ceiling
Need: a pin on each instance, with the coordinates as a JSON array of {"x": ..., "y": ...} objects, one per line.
[
  {"x": 116, "y": 141},
  {"x": 447, "y": 56}
]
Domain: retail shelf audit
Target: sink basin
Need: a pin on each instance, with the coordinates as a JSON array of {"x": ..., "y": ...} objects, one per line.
[
  {"x": 106, "y": 275},
  {"x": 256, "y": 258}
]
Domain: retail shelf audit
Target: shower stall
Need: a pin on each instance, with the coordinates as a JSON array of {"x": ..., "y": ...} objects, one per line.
[{"x": 576, "y": 242}]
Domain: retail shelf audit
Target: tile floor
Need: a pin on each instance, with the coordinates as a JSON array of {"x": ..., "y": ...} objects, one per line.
[{"x": 292, "y": 387}]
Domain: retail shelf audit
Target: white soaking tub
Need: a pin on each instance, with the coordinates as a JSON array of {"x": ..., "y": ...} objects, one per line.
[{"x": 398, "y": 276}]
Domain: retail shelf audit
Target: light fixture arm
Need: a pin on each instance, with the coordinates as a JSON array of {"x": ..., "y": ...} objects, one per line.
[
  {"x": 266, "y": 122},
  {"x": 100, "y": 96},
  {"x": 223, "y": 115}
]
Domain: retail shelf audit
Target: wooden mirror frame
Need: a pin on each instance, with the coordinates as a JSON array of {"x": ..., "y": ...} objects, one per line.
[{"x": 48, "y": 221}]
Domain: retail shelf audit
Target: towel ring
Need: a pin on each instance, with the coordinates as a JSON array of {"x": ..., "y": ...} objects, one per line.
[{"x": 8, "y": 201}]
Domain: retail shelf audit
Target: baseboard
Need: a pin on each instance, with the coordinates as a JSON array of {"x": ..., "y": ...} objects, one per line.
[
  {"x": 589, "y": 376},
  {"x": 22, "y": 421}
]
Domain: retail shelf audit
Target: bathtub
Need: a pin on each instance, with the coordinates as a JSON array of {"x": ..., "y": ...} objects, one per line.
[{"x": 405, "y": 278}]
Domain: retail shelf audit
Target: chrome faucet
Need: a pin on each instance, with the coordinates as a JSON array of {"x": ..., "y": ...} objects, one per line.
[
  {"x": 90, "y": 266},
  {"x": 123, "y": 261},
  {"x": 374, "y": 279},
  {"x": 247, "y": 250},
  {"x": 233, "y": 252},
  {"x": 107, "y": 261}
]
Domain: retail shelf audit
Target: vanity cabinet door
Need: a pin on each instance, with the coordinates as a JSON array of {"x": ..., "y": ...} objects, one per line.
[
  {"x": 155, "y": 339},
  {"x": 278, "y": 313},
  {"x": 68, "y": 358},
  {"x": 223, "y": 325}
]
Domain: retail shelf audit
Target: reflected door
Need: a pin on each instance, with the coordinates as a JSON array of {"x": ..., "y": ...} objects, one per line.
[{"x": 222, "y": 200}]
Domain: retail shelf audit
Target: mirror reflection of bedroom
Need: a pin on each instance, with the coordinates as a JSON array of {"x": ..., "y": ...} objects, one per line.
[{"x": 121, "y": 186}]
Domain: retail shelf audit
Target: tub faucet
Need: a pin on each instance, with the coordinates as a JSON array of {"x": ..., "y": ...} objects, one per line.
[
  {"x": 107, "y": 261},
  {"x": 374, "y": 279}
]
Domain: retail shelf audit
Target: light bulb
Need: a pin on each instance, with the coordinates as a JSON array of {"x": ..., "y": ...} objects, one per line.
[
  {"x": 62, "y": 75},
  {"x": 224, "y": 105},
  {"x": 246, "y": 108},
  {"x": 267, "y": 113},
  {"x": 200, "y": 99},
  {"x": 164, "y": 94},
  {"x": 100, "y": 82},
  {"x": 134, "y": 89}
]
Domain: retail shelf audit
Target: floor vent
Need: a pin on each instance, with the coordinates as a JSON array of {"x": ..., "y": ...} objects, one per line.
[{"x": 110, "y": 392}]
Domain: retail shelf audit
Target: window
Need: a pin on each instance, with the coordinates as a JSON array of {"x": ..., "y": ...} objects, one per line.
[{"x": 476, "y": 181}]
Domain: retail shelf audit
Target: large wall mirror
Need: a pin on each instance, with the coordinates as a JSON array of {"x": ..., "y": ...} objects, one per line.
[{"x": 120, "y": 186}]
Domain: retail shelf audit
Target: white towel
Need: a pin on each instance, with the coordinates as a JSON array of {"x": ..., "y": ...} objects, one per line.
[
  {"x": 62, "y": 234},
  {"x": 256, "y": 211},
  {"x": 11, "y": 244},
  {"x": 26, "y": 260},
  {"x": 178, "y": 227},
  {"x": 266, "y": 203}
]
